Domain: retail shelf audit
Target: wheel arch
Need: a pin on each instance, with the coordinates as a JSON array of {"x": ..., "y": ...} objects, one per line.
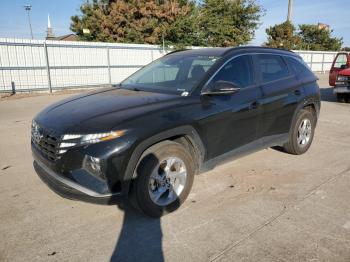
[
  {"x": 309, "y": 104},
  {"x": 185, "y": 135}
]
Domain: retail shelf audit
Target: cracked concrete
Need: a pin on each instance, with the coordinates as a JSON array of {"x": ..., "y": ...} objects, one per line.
[{"x": 269, "y": 206}]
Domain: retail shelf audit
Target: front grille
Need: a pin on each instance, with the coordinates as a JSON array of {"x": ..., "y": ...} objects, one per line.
[
  {"x": 345, "y": 82},
  {"x": 46, "y": 142}
]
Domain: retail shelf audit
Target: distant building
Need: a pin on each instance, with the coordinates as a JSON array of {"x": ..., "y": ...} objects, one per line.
[
  {"x": 68, "y": 37},
  {"x": 51, "y": 36}
]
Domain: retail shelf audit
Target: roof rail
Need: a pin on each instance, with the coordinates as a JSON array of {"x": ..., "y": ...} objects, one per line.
[{"x": 259, "y": 47}]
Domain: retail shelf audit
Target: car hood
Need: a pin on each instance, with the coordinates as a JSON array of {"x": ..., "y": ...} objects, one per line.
[
  {"x": 101, "y": 110},
  {"x": 345, "y": 72}
]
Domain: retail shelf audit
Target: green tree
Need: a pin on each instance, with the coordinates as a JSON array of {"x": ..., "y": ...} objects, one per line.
[
  {"x": 133, "y": 21},
  {"x": 283, "y": 36},
  {"x": 90, "y": 22},
  {"x": 318, "y": 39},
  {"x": 186, "y": 31},
  {"x": 179, "y": 22},
  {"x": 228, "y": 23}
]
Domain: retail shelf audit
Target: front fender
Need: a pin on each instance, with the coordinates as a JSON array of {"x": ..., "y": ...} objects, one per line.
[{"x": 187, "y": 131}]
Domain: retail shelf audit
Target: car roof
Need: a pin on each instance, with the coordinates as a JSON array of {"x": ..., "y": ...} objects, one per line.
[{"x": 223, "y": 51}]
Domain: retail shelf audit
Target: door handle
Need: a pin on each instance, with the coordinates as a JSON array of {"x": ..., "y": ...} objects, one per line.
[
  {"x": 254, "y": 105},
  {"x": 297, "y": 92}
]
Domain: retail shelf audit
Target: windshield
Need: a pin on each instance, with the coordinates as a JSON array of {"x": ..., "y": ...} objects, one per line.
[{"x": 171, "y": 74}]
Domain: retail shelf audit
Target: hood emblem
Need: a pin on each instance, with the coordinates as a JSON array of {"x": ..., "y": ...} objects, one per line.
[{"x": 37, "y": 134}]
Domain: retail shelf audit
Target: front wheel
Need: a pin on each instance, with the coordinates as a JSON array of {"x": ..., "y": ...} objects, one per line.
[
  {"x": 302, "y": 133},
  {"x": 341, "y": 98},
  {"x": 164, "y": 178}
]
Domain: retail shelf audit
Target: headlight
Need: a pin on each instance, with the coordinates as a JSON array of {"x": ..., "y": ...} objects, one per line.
[
  {"x": 342, "y": 78},
  {"x": 71, "y": 140}
]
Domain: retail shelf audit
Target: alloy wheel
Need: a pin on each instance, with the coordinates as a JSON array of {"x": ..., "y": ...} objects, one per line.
[
  {"x": 167, "y": 181},
  {"x": 304, "y": 132}
]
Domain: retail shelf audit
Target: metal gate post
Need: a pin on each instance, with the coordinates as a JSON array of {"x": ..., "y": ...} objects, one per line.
[
  {"x": 47, "y": 68},
  {"x": 109, "y": 67},
  {"x": 13, "y": 87},
  {"x": 323, "y": 64}
]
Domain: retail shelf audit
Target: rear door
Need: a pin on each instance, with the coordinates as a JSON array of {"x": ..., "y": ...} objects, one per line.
[
  {"x": 340, "y": 62},
  {"x": 281, "y": 91}
]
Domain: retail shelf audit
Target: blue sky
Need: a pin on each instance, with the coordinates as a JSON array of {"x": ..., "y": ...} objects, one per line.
[
  {"x": 13, "y": 20},
  {"x": 332, "y": 12}
]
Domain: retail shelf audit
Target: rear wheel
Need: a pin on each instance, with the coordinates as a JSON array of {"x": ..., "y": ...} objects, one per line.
[
  {"x": 164, "y": 178},
  {"x": 302, "y": 133}
]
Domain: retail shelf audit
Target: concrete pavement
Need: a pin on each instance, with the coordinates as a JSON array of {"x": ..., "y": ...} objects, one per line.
[{"x": 269, "y": 206}]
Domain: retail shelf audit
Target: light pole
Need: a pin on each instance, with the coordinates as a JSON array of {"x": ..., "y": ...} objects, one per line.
[
  {"x": 28, "y": 8},
  {"x": 290, "y": 9}
]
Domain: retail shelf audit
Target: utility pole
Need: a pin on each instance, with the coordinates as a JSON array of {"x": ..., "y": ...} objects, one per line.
[
  {"x": 290, "y": 10},
  {"x": 28, "y": 8}
]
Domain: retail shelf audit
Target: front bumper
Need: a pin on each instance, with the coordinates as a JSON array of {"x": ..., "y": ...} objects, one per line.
[
  {"x": 341, "y": 90},
  {"x": 70, "y": 189}
]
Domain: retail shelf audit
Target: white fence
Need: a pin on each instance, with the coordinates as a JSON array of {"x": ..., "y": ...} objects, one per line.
[
  {"x": 27, "y": 65},
  {"x": 318, "y": 61},
  {"x": 44, "y": 65}
]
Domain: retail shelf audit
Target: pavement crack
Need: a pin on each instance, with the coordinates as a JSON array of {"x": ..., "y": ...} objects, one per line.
[
  {"x": 314, "y": 190},
  {"x": 266, "y": 223},
  {"x": 281, "y": 213}
]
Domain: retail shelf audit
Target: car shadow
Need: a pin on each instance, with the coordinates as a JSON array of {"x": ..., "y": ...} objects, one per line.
[
  {"x": 328, "y": 95},
  {"x": 140, "y": 238},
  {"x": 279, "y": 149}
]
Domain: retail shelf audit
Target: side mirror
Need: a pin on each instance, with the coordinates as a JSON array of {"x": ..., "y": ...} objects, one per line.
[
  {"x": 343, "y": 66},
  {"x": 221, "y": 88}
]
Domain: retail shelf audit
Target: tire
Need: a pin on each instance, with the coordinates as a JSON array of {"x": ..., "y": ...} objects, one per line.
[
  {"x": 164, "y": 168},
  {"x": 347, "y": 98},
  {"x": 299, "y": 142},
  {"x": 341, "y": 98}
]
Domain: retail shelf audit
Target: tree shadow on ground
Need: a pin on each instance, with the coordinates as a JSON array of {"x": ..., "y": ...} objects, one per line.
[{"x": 140, "y": 238}]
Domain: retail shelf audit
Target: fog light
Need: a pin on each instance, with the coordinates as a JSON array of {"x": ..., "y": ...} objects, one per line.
[{"x": 93, "y": 166}]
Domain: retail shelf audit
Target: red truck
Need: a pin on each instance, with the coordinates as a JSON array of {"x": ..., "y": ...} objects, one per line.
[{"x": 339, "y": 76}]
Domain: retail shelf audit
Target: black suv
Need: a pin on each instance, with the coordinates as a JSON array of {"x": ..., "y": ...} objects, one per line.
[{"x": 183, "y": 113}]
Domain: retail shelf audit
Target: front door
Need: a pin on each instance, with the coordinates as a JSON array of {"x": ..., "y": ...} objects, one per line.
[
  {"x": 340, "y": 62},
  {"x": 236, "y": 119}
]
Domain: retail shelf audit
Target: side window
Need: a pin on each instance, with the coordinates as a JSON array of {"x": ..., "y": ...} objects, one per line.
[
  {"x": 238, "y": 71},
  {"x": 271, "y": 67},
  {"x": 341, "y": 61},
  {"x": 299, "y": 67}
]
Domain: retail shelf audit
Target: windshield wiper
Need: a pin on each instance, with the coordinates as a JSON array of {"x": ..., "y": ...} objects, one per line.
[{"x": 129, "y": 88}]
